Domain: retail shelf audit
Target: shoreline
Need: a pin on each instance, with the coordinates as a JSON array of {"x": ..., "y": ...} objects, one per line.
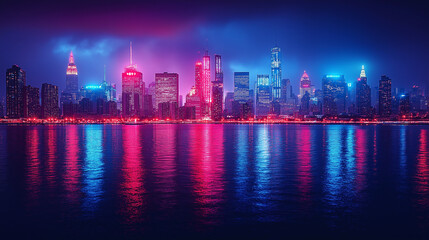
[{"x": 219, "y": 122}]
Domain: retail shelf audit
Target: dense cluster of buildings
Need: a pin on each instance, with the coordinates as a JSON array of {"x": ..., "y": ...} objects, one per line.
[{"x": 270, "y": 97}]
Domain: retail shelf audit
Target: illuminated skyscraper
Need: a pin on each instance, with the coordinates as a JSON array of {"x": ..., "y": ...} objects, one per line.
[
  {"x": 72, "y": 82},
  {"x": 31, "y": 102},
  {"x": 263, "y": 95},
  {"x": 132, "y": 90},
  {"x": 385, "y": 96},
  {"x": 305, "y": 85},
  {"x": 276, "y": 73},
  {"x": 205, "y": 86},
  {"x": 217, "y": 91},
  {"x": 334, "y": 89},
  {"x": 15, "y": 83},
  {"x": 166, "y": 88},
  {"x": 241, "y": 87},
  {"x": 363, "y": 95},
  {"x": 50, "y": 108},
  {"x": 193, "y": 101}
]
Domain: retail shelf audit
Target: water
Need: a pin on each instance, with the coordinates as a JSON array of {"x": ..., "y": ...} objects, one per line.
[{"x": 214, "y": 181}]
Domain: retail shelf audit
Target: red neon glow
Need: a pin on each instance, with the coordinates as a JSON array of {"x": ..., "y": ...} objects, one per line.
[
  {"x": 72, "y": 170},
  {"x": 33, "y": 166},
  {"x": 71, "y": 68}
]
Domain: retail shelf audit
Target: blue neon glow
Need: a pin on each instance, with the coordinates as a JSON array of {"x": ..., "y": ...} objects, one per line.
[
  {"x": 333, "y": 76},
  {"x": 92, "y": 87}
]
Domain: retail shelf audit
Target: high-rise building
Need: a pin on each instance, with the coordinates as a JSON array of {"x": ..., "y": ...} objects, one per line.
[
  {"x": 276, "y": 73},
  {"x": 334, "y": 89},
  {"x": 363, "y": 95},
  {"x": 205, "y": 86},
  {"x": 229, "y": 98},
  {"x": 285, "y": 89},
  {"x": 404, "y": 105},
  {"x": 31, "y": 102},
  {"x": 15, "y": 83},
  {"x": 151, "y": 91},
  {"x": 166, "y": 91},
  {"x": 72, "y": 82},
  {"x": 193, "y": 100},
  {"x": 305, "y": 85},
  {"x": 241, "y": 87},
  {"x": 132, "y": 90},
  {"x": 385, "y": 96},
  {"x": 50, "y": 108},
  {"x": 263, "y": 95},
  {"x": 217, "y": 91}
]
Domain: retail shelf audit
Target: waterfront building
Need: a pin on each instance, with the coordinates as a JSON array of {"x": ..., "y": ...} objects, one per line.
[
  {"x": 285, "y": 86},
  {"x": 385, "y": 96},
  {"x": 263, "y": 95},
  {"x": 334, "y": 89},
  {"x": 276, "y": 73},
  {"x": 305, "y": 86},
  {"x": 50, "y": 107},
  {"x": 31, "y": 102},
  {"x": 217, "y": 91},
  {"x": 132, "y": 90},
  {"x": 193, "y": 100},
  {"x": 241, "y": 87},
  {"x": 167, "y": 91},
  {"x": 363, "y": 95},
  {"x": 15, "y": 83},
  {"x": 229, "y": 98},
  {"x": 404, "y": 105}
]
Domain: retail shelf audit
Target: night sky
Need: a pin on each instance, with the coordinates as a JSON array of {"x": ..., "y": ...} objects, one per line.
[{"x": 320, "y": 37}]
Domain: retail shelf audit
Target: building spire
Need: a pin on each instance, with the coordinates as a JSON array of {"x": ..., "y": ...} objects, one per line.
[
  {"x": 71, "y": 59},
  {"x": 104, "y": 79},
  {"x": 131, "y": 53},
  {"x": 362, "y": 72}
]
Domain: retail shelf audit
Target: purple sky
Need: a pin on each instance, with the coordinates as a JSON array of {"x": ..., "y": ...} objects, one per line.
[{"x": 331, "y": 37}]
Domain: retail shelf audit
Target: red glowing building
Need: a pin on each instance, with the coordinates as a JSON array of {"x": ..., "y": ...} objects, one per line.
[{"x": 132, "y": 90}]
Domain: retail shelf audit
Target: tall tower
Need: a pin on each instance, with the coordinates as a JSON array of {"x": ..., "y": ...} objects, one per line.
[
  {"x": 217, "y": 91},
  {"x": 132, "y": 89},
  {"x": 385, "y": 96},
  {"x": 304, "y": 85},
  {"x": 15, "y": 84},
  {"x": 206, "y": 79},
  {"x": 363, "y": 95},
  {"x": 276, "y": 73},
  {"x": 72, "y": 84}
]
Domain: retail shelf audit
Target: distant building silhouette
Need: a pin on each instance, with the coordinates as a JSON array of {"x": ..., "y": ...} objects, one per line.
[
  {"x": 385, "y": 96},
  {"x": 334, "y": 90},
  {"x": 15, "y": 83},
  {"x": 363, "y": 95},
  {"x": 50, "y": 108},
  {"x": 217, "y": 91}
]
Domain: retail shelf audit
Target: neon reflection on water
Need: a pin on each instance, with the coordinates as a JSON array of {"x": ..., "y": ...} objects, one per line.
[
  {"x": 207, "y": 170},
  {"x": 33, "y": 175},
  {"x": 262, "y": 186},
  {"x": 72, "y": 168},
  {"x": 164, "y": 163},
  {"x": 93, "y": 169},
  {"x": 422, "y": 175},
  {"x": 304, "y": 163},
  {"x": 132, "y": 188}
]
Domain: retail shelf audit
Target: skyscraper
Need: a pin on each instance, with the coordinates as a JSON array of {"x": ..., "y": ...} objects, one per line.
[
  {"x": 363, "y": 95},
  {"x": 72, "y": 83},
  {"x": 334, "y": 89},
  {"x": 229, "y": 98},
  {"x": 132, "y": 90},
  {"x": 385, "y": 96},
  {"x": 193, "y": 100},
  {"x": 285, "y": 89},
  {"x": 205, "y": 86},
  {"x": 50, "y": 108},
  {"x": 276, "y": 73},
  {"x": 305, "y": 85},
  {"x": 263, "y": 95},
  {"x": 15, "y": 83},
  {"x": 241, "y": 87},
  {"x": 217, "y": 91},
  {"x": 31, "y": 102},
  {"x": 166, "y": 88}
]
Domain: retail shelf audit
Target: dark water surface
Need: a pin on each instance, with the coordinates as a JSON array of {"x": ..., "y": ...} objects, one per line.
[{"x": 214, "y": 181}]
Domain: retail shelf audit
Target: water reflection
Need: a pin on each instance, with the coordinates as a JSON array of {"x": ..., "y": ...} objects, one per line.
[
  {"x": 206, "y": 159},
  {"x": 132, "y": 188},
  {"x": 422, "y": 175},
  {"x": 72, "y": 170},
  {"x": 33, "y": 175},
  {"x": 51, "y": 145},
  {"x": 93, "y": 169},
  {"x": 304, "y": 144},
  {"x": 165, "y": 164}
]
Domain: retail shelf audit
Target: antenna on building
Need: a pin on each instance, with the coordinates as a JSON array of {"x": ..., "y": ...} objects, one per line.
[
  {"x": 104, "y": 73},
  {"x": 131, "y": 53}
]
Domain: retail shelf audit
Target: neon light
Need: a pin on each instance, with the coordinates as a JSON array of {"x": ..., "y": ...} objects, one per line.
[
  {"x": 333, "y": 76},
  {"x": 92, "y": 87},
  {"x": 349, "y": 84}
]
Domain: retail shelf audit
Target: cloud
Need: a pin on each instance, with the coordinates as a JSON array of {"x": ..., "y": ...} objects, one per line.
[{"x": 87, "y": 47}]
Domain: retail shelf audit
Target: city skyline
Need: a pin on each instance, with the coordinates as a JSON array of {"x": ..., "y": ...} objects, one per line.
[{"x": 317, "y": 45}]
